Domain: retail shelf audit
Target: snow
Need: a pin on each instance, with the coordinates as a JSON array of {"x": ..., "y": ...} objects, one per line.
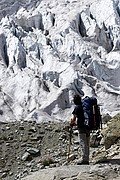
[{"x": 51, "y": 50}]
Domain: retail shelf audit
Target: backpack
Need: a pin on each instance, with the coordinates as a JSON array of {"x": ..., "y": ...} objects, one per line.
[{"x": 92, "y": 116}]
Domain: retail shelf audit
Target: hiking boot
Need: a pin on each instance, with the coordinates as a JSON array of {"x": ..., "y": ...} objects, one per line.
[{"x": 83, "y": 163}]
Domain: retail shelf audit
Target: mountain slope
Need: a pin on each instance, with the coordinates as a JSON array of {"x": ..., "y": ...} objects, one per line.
[{"x": 51, "y": 50}]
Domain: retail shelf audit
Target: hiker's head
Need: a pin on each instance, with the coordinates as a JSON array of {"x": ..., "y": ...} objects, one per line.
[{"x": 77, "y": 99}]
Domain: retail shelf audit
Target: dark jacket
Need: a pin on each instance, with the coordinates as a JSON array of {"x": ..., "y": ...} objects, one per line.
[{"x": 78, "y": 111}]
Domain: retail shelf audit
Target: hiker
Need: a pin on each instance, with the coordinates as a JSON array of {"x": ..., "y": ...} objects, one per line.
[{"x": 84, "y": 133}]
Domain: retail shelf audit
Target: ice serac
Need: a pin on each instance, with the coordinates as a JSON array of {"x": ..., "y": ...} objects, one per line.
[{"x": 51, "y": 50}]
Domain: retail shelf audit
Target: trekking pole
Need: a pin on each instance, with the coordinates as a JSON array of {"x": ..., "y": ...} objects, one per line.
[
  {"x": 70, "y": 141},
  {"x": 94, "y": 115}
]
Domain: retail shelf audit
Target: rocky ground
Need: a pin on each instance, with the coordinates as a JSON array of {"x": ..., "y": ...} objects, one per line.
[{"x": 26, "y": 147}]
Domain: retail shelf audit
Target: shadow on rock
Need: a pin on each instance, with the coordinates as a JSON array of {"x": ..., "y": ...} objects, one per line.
[{"x": 112, "y": 161}]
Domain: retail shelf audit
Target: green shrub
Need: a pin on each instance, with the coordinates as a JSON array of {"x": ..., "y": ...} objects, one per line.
[{"x": 47, "y": 161}]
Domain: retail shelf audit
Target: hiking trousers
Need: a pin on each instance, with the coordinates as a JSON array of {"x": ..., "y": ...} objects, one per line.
[{"x": 84, "y": 137}]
